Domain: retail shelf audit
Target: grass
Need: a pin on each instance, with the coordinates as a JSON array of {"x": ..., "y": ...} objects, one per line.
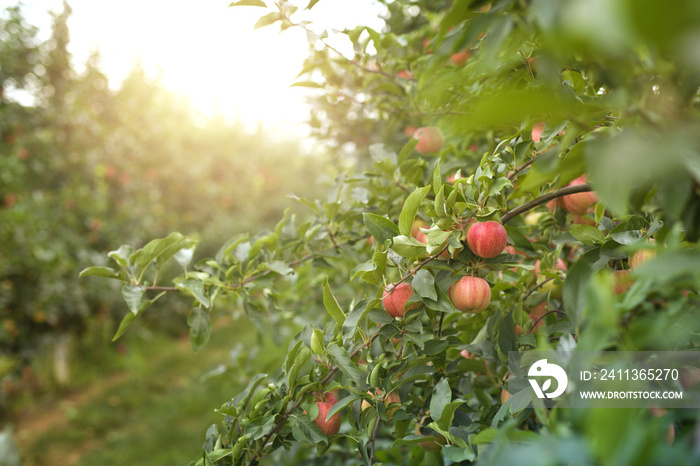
[{"x": 156, "y": 411}]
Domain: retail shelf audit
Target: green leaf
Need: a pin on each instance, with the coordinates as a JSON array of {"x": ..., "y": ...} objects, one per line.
[
  {"x": 448, "y": 414},
  {"x": 408, "y": 246},
  {"x": 437, "y": 179},
  {"x": 424, "y": 285},
  {"x": 106, "y": 272},
  {"x": 331, "y": 303},
  {"x": 159, "y": 250},
  {"x": 121, "y": 255},
  {"x": 587, "y": 234},
  {"x": 574, "y": 290},
  {"x": 341, "y": 404},
  {"x": 257, "y": 428},
  {"x": 194, "y": 288},
  {"x": 268, "y": 19},
  {"x": 380, "y": 227},
  {"x": 311, "y": 84},
  {"x": 506, "y": 334},
  {"x": 248, "y": 3},
  {"x": 200, "y": 328},
  {"x": 441, "y": 397},
  {"x": 410, "y": 209},
  {"x": 305, "y": 431},
  {"x": 485, "y": 436},
  {"x": 132, "y": 295},
  {"x": 130, "y": 317},
  {"x": 342, "y": 360},
  {"x": 630, "y": 231},
  {"x": 311, "y": 4}
]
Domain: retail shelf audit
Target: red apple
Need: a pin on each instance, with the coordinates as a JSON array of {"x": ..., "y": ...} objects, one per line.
[
  {"x": 537, "y": 129},
  {"x": 395, "y": 299},
  {"x": 640, "y": 257},
  {"x": 470, "y": 294},
  {"x": 409, "y": 130},
  {"x": 430, "y": 140},
  {"x": 580, "y": 203},
  {"x": 487, "y": 239},
  {"x": 460, "y": 58},
  {"x": 622, "y": 281},
  {"x": 331, "y": 397},
  {"x": 404, "y": 74},
  {"x": 332, "y": 425}
]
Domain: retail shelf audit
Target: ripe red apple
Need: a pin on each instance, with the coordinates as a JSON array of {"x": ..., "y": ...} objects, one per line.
[
  {"x": 332, "y": 425},
  {"x": 460, "y": 58},
  {"x": 409, "y": 130},
  {"x": 395, "y": 299},
  {"x": 640, "y": 257},
  {"x": 430, "y": 140},
  {"x": 487, "y": 239},
  {"x": 331, "y": 397},
  {"x": 622, "y": 281},
  {"x": 580, "y": 203},
  {"x": 537, "y": 129},
  {"x": 470, "y": 294}
]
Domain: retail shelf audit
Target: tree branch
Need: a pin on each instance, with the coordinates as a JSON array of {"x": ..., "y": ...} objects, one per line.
[{"x": 579, "y": 188}]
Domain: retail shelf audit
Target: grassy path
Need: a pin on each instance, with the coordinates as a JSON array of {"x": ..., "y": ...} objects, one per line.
[{"x": 154, "y": 413}]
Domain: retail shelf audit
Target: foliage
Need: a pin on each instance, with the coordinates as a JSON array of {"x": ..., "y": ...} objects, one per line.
[
  {"x": 85, "y": 165},
  {"x": 550, "y": 91}
]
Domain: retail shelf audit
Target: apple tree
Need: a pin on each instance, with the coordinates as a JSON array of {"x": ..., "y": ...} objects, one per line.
[{"x": 525, "y": 176}]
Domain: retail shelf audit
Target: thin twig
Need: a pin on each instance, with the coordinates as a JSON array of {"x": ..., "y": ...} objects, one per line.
[
  {"x": 374, "y": 438},
  {"x": 553, "y": 311}
]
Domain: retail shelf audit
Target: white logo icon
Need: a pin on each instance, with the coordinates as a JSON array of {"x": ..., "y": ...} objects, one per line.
[{"x": 543, "y": 369}]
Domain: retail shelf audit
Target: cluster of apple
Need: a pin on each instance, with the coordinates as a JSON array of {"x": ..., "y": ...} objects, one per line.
[{"x": 468, "y": 294}]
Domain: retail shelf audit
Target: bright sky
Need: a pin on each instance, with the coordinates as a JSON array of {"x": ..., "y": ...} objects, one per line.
[{"x": 206, "y": 50}]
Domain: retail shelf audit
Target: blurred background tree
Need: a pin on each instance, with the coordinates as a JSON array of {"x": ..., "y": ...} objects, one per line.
[{"x": 86, "y": 166}]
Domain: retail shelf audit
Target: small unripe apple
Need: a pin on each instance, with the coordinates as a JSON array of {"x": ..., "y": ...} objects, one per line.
[
  {"x": 640, "y": 257},
  {"x": 332, "y": 425},
  {"x": 395, "y": 299},
  {"x": 689, "y": 376},
  {"x": 487, "y": 239},
  {"x": 537, "y": 129},
  {"x": 460, "y": 58},
  {"x": 533, "y": 218},
  {"x": 580, "y": 203},
  {"x": 430, "y": 140},
  {"x": 622, "y": 281},
  {"x": 470, "y": 294}
]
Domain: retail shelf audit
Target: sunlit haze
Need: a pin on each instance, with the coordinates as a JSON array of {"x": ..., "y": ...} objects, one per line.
[{"x": 206, "y": 50}]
